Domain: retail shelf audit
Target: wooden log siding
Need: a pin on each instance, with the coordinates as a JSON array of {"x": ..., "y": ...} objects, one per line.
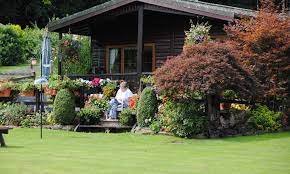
[{"x": 164, "y": 30}]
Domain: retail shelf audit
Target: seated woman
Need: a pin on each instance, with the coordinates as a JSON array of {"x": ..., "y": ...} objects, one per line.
[{"x": 122, "y": 98}]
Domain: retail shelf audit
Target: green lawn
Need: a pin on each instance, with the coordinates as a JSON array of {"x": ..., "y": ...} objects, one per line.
[
  {"x": 84, "y": 153},
  {"x": 20, "y": 67}
]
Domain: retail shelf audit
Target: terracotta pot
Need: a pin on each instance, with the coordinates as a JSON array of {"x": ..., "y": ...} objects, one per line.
[
  {"x": 225, "y": 106},
  {"x": 29, "y": 93},
  {"x": 5, "y": 92},
  {"x": 50, "y": 91}
]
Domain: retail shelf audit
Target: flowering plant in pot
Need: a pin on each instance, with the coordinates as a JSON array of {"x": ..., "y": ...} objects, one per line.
[
  {"x": 53, "y": 85},
  {"x": 6, "y": 88},
  {"x": 26, "y": 88}
]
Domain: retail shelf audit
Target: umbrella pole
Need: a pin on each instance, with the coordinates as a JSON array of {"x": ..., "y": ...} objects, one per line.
[
  {"x": 41, "y": 63},
  {"x": 41, "y": 107}
]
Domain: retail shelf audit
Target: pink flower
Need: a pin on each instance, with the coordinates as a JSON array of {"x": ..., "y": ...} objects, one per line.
[{"x": 95, "y": 82}]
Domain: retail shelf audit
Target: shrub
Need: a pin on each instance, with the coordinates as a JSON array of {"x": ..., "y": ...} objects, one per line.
[
  {"x": 34, "y": 120},
  {"x": 183, "y": 119},
  {"x": 209, "y": 68},
  {"x": 89, "y": 116},
  {"x": 11, "y": 45},
  {"x": 13, "y": 114},
  {"x": 127, "y": 117},
  {"x": 155, "y": 126},
  {"x": 147, "y": 106},
  {"x": 64, "y": 107},
  {"x": 262, "y": 118}
]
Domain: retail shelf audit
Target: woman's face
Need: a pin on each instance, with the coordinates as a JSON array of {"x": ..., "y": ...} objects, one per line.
[{"x": 123, "y": 88}]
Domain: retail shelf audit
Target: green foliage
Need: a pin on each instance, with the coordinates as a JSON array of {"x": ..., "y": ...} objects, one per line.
[
  {"x": 34, "y": 120},
  {"x": 12, "y": 114},
  {"x": 127, "y": 117},
  {"x": 101, "y": 104},
  {"x": 89, "y": 116},
  {"x": 147, "y": 80},
  {"x": 26, "y": 86},
  {"x": 64, "y": 107},
  {"x": 262, "y": 118},
  {"x": 230, "y": 94},
  {"x": 11, "y": 45},
  {"x": 197, "y": 33},
  {"x": 8, "y": 84},
  {"x": 183, "y": 119},
  {"x": 155, "y": 126},
  {"x": 77, "y": 55},
  {"x": 32, "y": 38},
  {"x": 147, "y": 106},
  {"x": 109, "y": 90}
]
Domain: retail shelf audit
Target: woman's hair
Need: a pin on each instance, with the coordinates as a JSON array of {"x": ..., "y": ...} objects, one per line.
[{"x": 123, "y": 84}]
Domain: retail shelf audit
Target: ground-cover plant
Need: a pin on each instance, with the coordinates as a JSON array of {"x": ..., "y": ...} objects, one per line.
[
  {"x": 147, "y": 107},
  {"x": 13, "y": 113},
  {"x": 89, "y": 115},
  {"x": 184, "y": 119},
  {"x": 156, "y": 126},
  {"x": 32, "y": 120},
  {"x": 127, "y": 117},
  {"x": 64, "y": 107},
  {"x": 262, "y": 118}
]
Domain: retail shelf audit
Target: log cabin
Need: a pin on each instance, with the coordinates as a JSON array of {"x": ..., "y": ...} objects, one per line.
[{"x": 130, "y": 38}]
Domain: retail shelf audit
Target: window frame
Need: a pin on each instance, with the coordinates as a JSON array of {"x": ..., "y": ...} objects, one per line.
[{"x": 122, "y": 47}]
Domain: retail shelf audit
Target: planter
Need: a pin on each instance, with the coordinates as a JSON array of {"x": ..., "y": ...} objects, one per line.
[
  {"x": 29, "y": 93},
  {"x": 5, "y": 92},
  {"x": 50, "y": 91},
  {"x": 225, "y": 106}
]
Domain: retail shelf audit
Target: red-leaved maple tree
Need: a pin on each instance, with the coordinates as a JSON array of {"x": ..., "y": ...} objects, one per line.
[
  {"x": 208, "y": 67},
  {"x": 263, "y": 43}
]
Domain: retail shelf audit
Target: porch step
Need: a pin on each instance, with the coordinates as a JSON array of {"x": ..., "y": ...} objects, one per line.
[{"x": 105, "y": 125}]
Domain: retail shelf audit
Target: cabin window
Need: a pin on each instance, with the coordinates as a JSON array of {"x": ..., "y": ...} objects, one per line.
[
  {"x": 123, "y": 59},
  {"x": 114, "y": 60},
  {"x": 130, "y": 60}
]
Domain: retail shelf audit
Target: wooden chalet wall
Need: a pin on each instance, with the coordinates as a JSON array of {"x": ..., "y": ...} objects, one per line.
[{"x": 164, "y": 30}]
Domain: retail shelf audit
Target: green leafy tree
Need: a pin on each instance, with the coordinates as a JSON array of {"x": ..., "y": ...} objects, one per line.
[{"x": 11, "y": 45}]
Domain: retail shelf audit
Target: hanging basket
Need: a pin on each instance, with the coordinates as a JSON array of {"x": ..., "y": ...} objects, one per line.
[{"x": 5, "y": 92}]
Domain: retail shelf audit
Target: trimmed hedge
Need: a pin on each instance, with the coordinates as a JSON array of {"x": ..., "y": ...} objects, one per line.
[
  {"x": 147, "y": 107},
  {"x": 64, "y": 107}
]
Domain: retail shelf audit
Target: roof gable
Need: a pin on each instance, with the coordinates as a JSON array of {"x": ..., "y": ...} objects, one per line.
[{"x": 222, "y": 12}]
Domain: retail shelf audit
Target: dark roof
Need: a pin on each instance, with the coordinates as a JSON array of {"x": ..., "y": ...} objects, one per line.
[{"x": 222, "y": 12}]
